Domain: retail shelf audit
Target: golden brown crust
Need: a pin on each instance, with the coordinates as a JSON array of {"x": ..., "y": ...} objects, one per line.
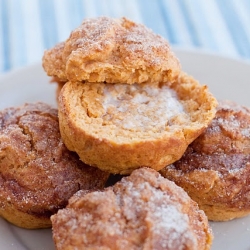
[
  {"x": 215, "y": 169},
  {"x": 118, "y": 128},
  {"x": 53, "y": 62},
  {"x": 142, "y": 211},
  {"x": 112, "y": 50},
  {"x": 38, "y": 174}
]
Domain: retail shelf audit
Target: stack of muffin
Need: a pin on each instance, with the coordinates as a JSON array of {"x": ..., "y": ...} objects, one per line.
[
  {"x": 125, "y": 102},
  {"x": 125, "y": 107},
  {"x": 127, "y": 110}
]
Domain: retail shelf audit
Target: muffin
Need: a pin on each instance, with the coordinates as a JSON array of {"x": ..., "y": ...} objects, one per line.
[
  {"x": 215, "y": 169},
  {"x": 38, "y": 174},
  {"x": 142, "y": 211},
  {"x": 121, "y": 127},
  {"x": 112, "y": 50}
]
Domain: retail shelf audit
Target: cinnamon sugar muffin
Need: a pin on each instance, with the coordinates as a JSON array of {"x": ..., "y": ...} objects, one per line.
[
  {"x": 111, "y": 50},
  {"x": 142, "y": 211},
  {"x": 120, "y": 127},
  {"x": 215, "y": 169},
  {"x": 38, "y": 174}
]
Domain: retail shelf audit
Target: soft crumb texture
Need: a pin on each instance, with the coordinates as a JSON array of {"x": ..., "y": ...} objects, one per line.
[
  {"x": 142, "y": 211},
  {"x": 38, "y": 174},
  {"x": 120, "y": 127},
  {"x": 215, "y": 169},
  {"x": 111, "y": 50}
]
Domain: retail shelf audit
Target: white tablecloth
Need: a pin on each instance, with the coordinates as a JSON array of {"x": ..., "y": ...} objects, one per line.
[{"x": 28, "y": 27}]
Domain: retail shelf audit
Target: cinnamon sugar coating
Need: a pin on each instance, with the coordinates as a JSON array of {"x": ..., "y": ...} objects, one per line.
[
  {"x": 142, "y": 211},
  {"x": 111, "y": 50},
  {"x": 215, "y": 169},
  {"x": 38, "y": 174}
]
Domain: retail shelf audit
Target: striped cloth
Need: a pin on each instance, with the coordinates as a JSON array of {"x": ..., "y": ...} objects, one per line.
[{"x": 28, "y": 27}]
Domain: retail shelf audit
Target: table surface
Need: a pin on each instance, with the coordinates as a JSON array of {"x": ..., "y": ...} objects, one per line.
[{"x": 28, "y": 27}]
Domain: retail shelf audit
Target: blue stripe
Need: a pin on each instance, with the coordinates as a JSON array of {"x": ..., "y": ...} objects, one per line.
[
  {"x": 206, "y": 36},
  {"x": 190, "y": 25},
  {"x": 98, "y": 9},
  {"x": 166, "y": 14},
  {"x": 194, "y": 29},
  {"x": 48, "y": 21},
  {"x": 235, "y": 27},
  {"x": 112, "y": 11},
  {"x": 246, "y": 4},
  {"x": 152, "y": 17},
  {"x": 77, "y": 11},
  {"x": 5, "y": 35},
  {"x": 19, "y": 29}
]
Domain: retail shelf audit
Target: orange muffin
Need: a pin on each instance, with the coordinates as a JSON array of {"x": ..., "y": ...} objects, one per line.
[
  {"x": 142, "y": 211},
  {"x": 112, "y": 50},
  {"x": 38, "y": 174},
  {"x": 120, "y": 127},
  {"x": 215, "y": 169}
]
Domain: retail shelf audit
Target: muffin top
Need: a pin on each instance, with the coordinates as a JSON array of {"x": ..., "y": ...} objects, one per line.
[
  {"x": 142, "y": 211},
  {"x": 112, "y": 50}
]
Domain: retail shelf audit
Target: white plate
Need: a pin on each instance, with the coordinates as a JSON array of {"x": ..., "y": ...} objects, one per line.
[{"x": 226, "y": 78}]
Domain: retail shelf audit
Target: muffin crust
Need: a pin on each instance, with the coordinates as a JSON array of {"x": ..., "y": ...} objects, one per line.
[
  {"x": 215, "y": 169},
  {"x": 38, "y": 174},
  {"x": 111, "y": 50},
  {"x": 120, "y": 127},
  {"x": 142, "y": 211}
]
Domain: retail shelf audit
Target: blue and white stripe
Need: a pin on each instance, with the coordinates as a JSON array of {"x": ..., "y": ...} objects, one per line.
[{"x": 28, "y": 27}]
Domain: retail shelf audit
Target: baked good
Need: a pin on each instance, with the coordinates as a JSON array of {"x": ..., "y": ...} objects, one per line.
[
  {"x": 112, "y": 50},
  {"x": 120, "y": 127},
  {"x": 215, "y": 169},
  {"x": 142, "y": 211},
  {"x": 52, "y": 61},
  {"x": 38, "y": 174}
]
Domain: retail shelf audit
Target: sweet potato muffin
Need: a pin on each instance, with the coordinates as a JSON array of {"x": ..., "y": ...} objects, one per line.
[
  {"x": 120, "y": 127},
  {"x": 142, "y": 211},
  {"x": 111, "y": 50},
  {"x": 38, "y": 174},
  {"x": 215, "y": 169}
]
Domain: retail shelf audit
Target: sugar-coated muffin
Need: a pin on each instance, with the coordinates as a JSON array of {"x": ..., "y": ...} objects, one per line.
[
  {"x": 105, "y": 49},
  {"x": 142, "y": 211},
  {"x": 215, "y": 169},
  {"x": 38, "y": 174}
]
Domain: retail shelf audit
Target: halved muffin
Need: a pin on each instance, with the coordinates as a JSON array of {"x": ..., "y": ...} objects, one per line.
[{"x": 121, "y": 127}]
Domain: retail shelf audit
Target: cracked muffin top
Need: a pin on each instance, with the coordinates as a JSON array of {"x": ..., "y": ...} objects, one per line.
[
  {"x": 215, "y": 169},
  {"x": 38, "y": 174},
  {"x": 112, "y": 50},
  {"x": 142, "y": 211}
]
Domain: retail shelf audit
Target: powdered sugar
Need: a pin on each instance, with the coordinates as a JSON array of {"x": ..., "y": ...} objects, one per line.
[
  {"x": 234, "y": 118},
  {"x": 159, "y": 209},
  {"x": 234, "y": 125},
  {"x": 142, "y": 211}
]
